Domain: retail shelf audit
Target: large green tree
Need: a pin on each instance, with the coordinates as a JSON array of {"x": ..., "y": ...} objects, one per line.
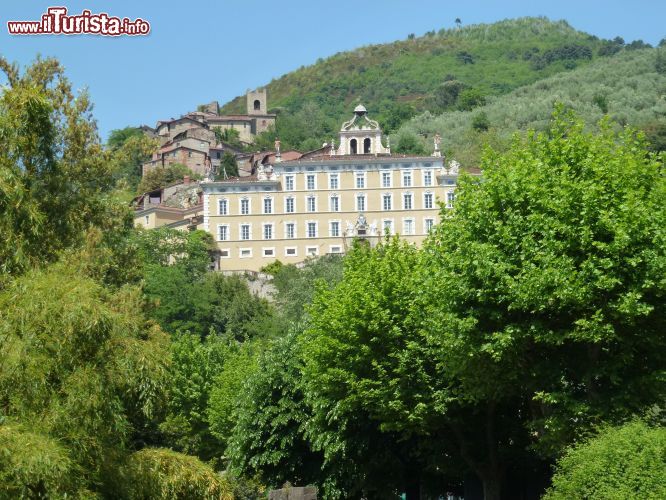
[
  {"x": 542, "y": 295},
  {"x": 54, "y": 175},
  {"x": 363, "y": 377}
]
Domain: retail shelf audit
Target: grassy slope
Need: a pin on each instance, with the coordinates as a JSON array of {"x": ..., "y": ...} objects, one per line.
[
  {"x": 408, "y": 71},
  {"x": 635, "y": 94}
]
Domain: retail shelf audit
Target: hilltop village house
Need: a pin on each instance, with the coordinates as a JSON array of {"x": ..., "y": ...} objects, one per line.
[
  {"x": 190, "y": 140},
  {"x": 314, "y": 203}
]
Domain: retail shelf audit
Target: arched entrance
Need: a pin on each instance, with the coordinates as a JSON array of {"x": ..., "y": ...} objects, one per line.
[
  {"x": 353, "y": 148},
  {"x": 366, "y": 145}
]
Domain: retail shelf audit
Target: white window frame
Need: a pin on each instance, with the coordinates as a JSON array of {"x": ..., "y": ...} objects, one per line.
[
  {"x": 310, "y": 253},
  {"x": 220, "y": 203},
  {"x": 241, "y": 251},
  {"x": 330, "y": 228},
  {"x": 307, "y": 229},
  {"x": 219, "y": 235},
  {"x": 390, "y": 198},
  {"x": 268, "y": 249},
  {"x": 249, "y": 206},
  {"x": 263, "y": 205},
  {"x": 335, "y": 249},
  {"x": 450, "y": 198},
  {"x": 404, "y": 226},
  {"x": 432, "y": 200},
  {"x": 314, "y": 185},
  {"x": 286, "y": 205},
  {"x": 424, "y": 173},
  {"x": 365, "y": 202},
  {"x": 391, "y": 223},
  {"x": 264, "y": 225},
  {"x": 360, "y": 176},
  {"x": 426, "y": 230},
  {"x": 223, "y": 251},
  {"x": 287, "y": 179},
  {"x": 286, "y": 234},
  {"x": 240, "y": 231},
  {"x": 307, "y": 203},
  {"x": 330, "y": 202},
  {"x": 286, "y": 250},
  {"x": 388, "y": 175},
  {"x": 411, "y": 201},
  {"x": 331, "y": 176},
  {"x": 403, "y": 175}
]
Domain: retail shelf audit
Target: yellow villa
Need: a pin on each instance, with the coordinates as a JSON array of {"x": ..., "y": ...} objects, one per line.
[{"x": 316, "y": 205}]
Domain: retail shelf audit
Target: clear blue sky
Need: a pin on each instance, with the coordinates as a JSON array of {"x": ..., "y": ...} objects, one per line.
[{"x": 202, "y": 50}]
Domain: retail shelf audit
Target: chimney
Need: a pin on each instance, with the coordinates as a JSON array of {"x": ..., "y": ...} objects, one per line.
[{"x": 186, "y": 179}]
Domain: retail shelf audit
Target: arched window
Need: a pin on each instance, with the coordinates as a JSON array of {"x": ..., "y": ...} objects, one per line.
[
  {"x": 366, "y": 145},
  {"x": 257, "y": 104},
  {"x": 352, "y": 146}
]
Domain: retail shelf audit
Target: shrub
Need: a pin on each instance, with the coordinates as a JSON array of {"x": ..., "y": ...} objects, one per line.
[{"x": 622, "y": 462}]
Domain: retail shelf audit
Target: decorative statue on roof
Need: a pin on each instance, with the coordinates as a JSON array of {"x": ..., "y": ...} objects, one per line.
[{"x": 438, "y": 141}]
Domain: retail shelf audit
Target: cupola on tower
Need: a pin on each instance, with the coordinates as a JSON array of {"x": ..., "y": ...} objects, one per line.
[{"x": 360, "y": 136}]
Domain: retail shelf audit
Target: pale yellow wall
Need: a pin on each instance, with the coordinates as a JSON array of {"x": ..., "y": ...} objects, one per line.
[{"x": 347, "y": 213}]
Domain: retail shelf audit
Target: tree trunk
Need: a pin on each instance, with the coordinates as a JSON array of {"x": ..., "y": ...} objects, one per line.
[
  {"x": 492, "y": 487},
  {"x": 413, "y": 485}
]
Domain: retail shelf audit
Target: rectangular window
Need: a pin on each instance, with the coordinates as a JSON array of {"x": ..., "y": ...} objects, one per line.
[
  {"x": 386, "y": 202},
  {"x": 245, "y": 232},
  {"x": 408, "y": 226},
  {"x": 223, "y": 207},
  {"x": 335, "y": 228},
  {"x": 268, "y": 205},
  {"x": 333, "y": 181},
  {"x": 268, "y": 252},
  {"x": 291, "y": 251},
  {"x": 427, "y": 200},
  {"x": 245, "y": 253},
  {"x": 388, "y": 226},
  {"x": 360, "y": 181},
  {"x": 268, "y": 231},
  {"x": 245, "y": 207},
  {"x": 450, "y": 197},
  {"x": 335, "y": 204},
  {"x": 222, "y": 232},
  {"x": 312, "y": 204},
  {"x": 407, "y": 201},
  {"x": 312, "y": 251},
  {"x": 386, "y": 179},
  {"x": 427, "y": 177},
  {"x": 335, "y": 249},
  {"x": 310, "y": 182},
  {"x": 406, "y": 179},
  {"x": 146, "y": 220},
  {"x": 289, "y": 205},
  {"x": 225, "y": 253},
  {"x": 428, "y": 224},
  {"x": 290, "y": 230},
  {"x": 289, "y": 183},
  {"x": 312, "y": 229},
  {"x": 360, "y": 203}
]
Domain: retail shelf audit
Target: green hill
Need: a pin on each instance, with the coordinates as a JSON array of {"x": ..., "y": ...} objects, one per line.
[
  {"x": 450, "y": 69},
  {"x": 630, "y": 87}
]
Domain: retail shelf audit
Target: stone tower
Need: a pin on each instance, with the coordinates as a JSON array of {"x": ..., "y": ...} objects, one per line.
[{"x": 256, "y": 102}]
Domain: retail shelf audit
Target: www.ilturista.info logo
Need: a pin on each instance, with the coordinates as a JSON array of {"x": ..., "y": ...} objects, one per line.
[{"x": 56, "y": 22}]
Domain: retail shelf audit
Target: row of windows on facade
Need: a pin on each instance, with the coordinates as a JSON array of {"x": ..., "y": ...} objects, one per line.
[
  {"x": 360, "y": 180},
  {"x": 312, "y": 229},
  {"x": 334, "y": 203},
  {"x": 310, "y": 251}
]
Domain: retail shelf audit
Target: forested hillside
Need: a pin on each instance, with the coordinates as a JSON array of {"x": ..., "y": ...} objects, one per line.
[
  {"x": 629, "y": 87},
  {"x": 442, "y": 70}
]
